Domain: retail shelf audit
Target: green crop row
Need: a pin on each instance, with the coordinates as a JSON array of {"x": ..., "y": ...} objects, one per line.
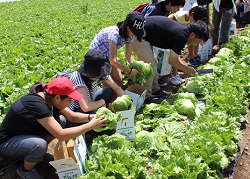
[{"x": 40, "y": 38}]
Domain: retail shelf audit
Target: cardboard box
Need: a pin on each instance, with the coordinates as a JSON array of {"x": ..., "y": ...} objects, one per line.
[
  {"x": 138, "y": 95},
  {"x": 126, "y": 126},
  {"x": 66, "y": 166},
  {"x": 60, "y": 150},
  {"x": 70, "y": 148},
  {"x": 162, "y": 56}
]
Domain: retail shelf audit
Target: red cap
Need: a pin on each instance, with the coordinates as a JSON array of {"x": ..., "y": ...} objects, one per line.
[{"x": 63, "y": 86}]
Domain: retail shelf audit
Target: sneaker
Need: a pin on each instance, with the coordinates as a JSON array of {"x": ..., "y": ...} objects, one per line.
[
  {"x": 177, "y": 76},
  {"x": 48, "y": 157},
  {"x": 198, "y": 59},
  {"x": 193, "y": 63},
  {"x": 157, "y": 100},
  {"x": 162, "y": 83},
  {"x": 161, "y": 93},
  {"x": 174, "y": 81},
  {"x": 32, "y": 174}
]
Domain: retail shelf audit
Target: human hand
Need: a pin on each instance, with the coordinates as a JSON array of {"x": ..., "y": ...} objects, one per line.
[
  {"x": 98, "y": 122},
  {"x": 134, "y": 72},
  {"x": 211, "y": 25},
  {"x": 190, "y": 70}
]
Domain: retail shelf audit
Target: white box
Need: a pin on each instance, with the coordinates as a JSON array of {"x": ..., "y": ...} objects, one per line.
[
  {"x": 138, "y": 95},
  {"x": 162, "y": 56},
  {"x": 126, "y": 126},
  {"x": 67, "y": 167}
]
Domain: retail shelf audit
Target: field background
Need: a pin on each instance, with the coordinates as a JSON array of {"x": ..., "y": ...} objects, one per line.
[{"x": 40, "y": 38}]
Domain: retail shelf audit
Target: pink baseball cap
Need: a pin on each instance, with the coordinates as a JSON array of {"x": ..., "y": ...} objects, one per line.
[{"x": 63, "y": 86}]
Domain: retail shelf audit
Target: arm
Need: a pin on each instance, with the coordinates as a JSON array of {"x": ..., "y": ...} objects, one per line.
[
  {"x": 113, "y": 58},
  {"x": 117, "y": 89},
  {"x": 54, "y": 128},
  {"x": 174, "y": 60},
  {"x": 130, "y": 58},
  {"x": 87, "y": 105},
  {"x": 114, "y": 62},
  {"x": 76, "y": 117},
  {"x": 208, "y": 16},
  {"x": 128, "y": 51}
]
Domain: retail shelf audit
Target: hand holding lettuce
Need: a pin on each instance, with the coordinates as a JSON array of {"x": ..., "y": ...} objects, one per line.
[
  {"x": 112, "y": 118},
  {"x": 145, "y": 71}
]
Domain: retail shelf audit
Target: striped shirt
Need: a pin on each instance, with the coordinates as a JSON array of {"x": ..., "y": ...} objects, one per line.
[
  {"x": 79, "y": 83},
  {"x": 101, "y": 40}
]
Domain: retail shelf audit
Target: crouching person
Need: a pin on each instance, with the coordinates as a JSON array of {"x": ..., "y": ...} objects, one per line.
[{"x": 33, "y": 117}]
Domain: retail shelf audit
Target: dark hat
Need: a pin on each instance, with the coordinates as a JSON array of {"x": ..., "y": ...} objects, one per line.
[
  {"x": 95, "y": 65},
  {"x": 136, "y": 21}
]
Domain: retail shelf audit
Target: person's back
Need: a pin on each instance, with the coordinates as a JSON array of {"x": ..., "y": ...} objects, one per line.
[
  {"x": 162, "y": 7},
  {"x": 154, "y": 9},
  {"x": 160, "y": 35}
]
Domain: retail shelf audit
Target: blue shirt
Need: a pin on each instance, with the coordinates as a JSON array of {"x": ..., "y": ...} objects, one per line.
[{"x": 153, "y": 10}]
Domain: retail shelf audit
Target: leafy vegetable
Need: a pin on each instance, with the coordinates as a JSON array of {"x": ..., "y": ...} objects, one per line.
[
  {"x": 122, "y": 103},
  {"x": 186, "y": 95},
  {"x": 145, "y": 71},
  {"x": 195, "y": 86},
  {"x": 149, "y": 143},
  {"x": 186, "y": 107},
  {"x": 112, "y": 118},
  {"x": 224, "y": 53}
]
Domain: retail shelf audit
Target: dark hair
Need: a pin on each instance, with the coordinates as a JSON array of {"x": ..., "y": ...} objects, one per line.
[
  {"x": 176, "y": 2},
  {"x": 37, "y": 87},
  {"x": 200, "y": 30},
  {"x": 88, "y": 84},
  {"x": 41, "y": 87},
  {"x": 122, "y": 26},
  {"x": 199, "y": 13}
]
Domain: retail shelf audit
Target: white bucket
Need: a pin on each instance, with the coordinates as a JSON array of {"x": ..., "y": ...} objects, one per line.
[
  {"x": 203, "y": 52},
  {"x": 162, "y": 57}
]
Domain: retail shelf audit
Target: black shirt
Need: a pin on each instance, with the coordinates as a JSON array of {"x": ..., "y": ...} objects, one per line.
[
  {"x": 165, "y": 33},
  {"x": 226, "y": 4},
  {"x": 23, "y": 115},
  {"x": 203, "y": 2}
]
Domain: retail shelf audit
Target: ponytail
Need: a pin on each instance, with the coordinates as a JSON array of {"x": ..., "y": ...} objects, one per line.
[
  {"x": 122, "y": 26},
  {"x": 37, "y": 87}
]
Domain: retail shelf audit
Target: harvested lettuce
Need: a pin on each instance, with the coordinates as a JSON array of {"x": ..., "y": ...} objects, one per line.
[
  {"x": 122, "y": 103},
  {"x": 195, "y": 86},
  {"x": 149, "y": 143},
  {"x": 185, "y": 107},
  {"x": 145, "y": 71},
  {"x": 112, "y": 118},
  {"x": 186, "y": 95}
]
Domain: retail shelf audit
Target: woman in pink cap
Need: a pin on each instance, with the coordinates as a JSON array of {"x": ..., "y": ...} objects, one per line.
[{"x": 34, "y": 119}]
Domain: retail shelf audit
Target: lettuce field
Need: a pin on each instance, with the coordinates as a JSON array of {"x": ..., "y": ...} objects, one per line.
[
  {"x": 174, "y": 139},
  {"x": 38, "y": 39}
]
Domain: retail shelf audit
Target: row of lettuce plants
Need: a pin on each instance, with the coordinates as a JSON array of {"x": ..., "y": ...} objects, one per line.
[{"x": 180, "y": 138}]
